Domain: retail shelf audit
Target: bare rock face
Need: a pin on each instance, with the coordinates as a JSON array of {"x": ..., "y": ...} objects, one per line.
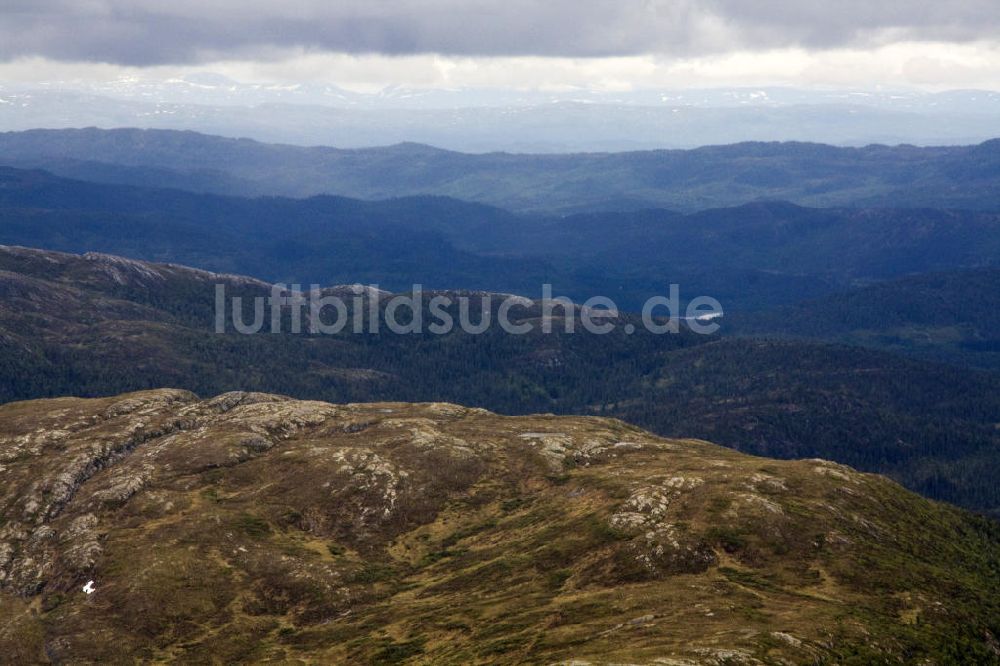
[{"x": 252, "y": 527}]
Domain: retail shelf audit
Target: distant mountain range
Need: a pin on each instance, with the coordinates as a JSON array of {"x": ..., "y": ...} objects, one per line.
[
  {"x": 208, "y": 89},
  {"x": 684, "y": 180},
  {"x": 482, "y": 120},
  {"x": 751, "y": 256}
]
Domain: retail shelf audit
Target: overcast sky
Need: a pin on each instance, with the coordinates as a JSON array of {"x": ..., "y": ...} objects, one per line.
[{"x": 613, "y": 44}]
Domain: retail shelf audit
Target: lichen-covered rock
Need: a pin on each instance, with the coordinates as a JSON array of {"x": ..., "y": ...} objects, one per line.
[
  {"x": 80, "y": 544},
  {"x": 668, "y": 549}
]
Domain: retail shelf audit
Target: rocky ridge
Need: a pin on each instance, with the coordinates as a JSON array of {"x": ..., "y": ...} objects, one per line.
[{"x": 253, "y": 527}]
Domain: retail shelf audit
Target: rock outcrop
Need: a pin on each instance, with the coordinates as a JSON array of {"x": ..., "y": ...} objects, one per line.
[{"x": 253, "y": 527}]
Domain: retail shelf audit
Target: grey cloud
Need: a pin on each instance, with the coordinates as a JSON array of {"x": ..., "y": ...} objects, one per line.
[{"x": 144, "y": 32}]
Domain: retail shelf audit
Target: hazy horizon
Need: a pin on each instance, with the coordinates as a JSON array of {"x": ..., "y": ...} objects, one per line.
[
  {"x": 521, "y": 76},
  {"x": 489, "y": 120}
]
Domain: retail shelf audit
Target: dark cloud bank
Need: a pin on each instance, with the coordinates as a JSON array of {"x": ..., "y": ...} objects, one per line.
[{"x": 146, "y": 32}]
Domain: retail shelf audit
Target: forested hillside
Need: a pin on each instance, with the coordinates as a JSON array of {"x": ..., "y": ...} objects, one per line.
[
  {"x": 950, "y": 316},
  {"x": 99, "y": 325},
  {"x": 748, "y": 257}
]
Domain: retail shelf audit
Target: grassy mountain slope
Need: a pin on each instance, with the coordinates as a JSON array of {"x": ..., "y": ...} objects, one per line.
[
  {"x": 809, "y": 174},
  {"x": 100, "y": 325},
  {"x": 251, "y": 527}
]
